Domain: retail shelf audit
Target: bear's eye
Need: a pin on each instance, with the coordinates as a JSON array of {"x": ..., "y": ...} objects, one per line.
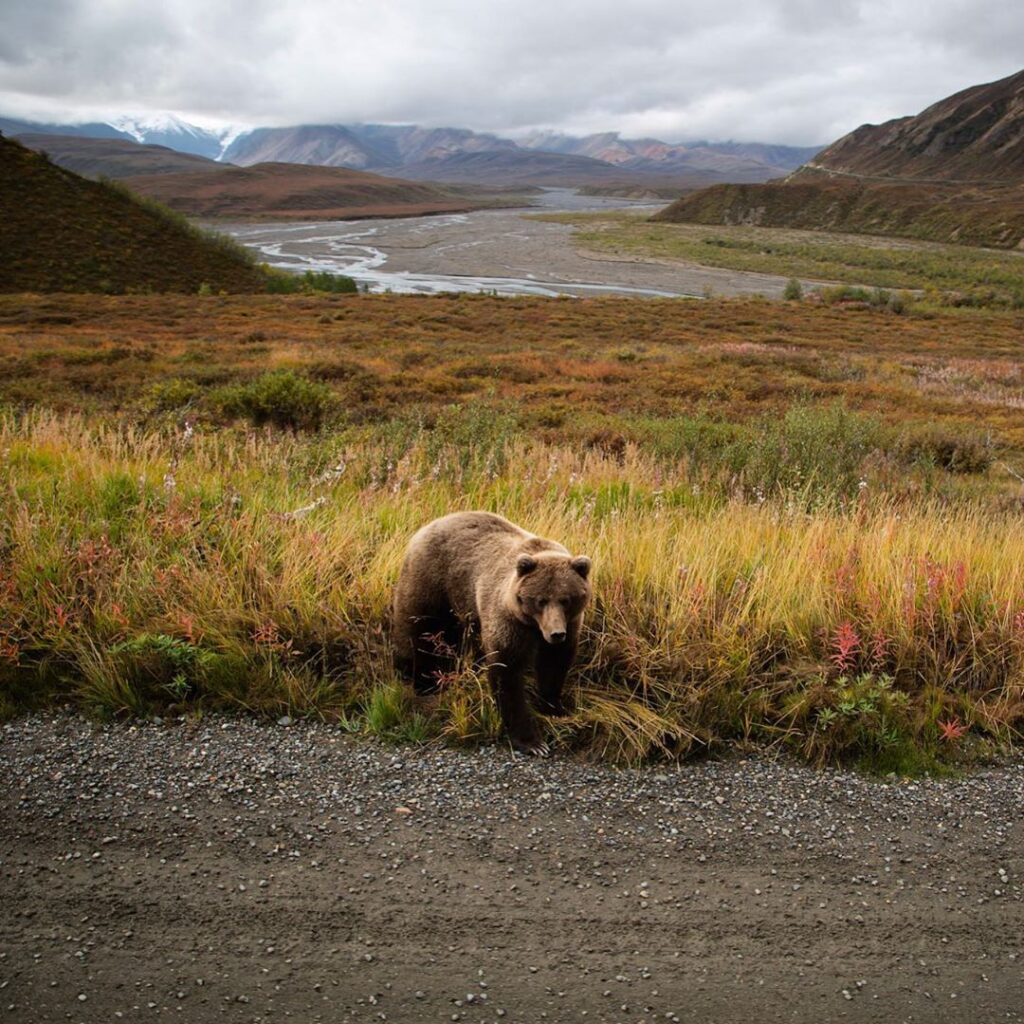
[
  {"x": 564, "y": 602},
  {"x": 542, "y": 603}
]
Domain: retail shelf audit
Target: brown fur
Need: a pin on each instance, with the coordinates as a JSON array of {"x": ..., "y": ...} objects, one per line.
[{"x": 524, "y": 595}]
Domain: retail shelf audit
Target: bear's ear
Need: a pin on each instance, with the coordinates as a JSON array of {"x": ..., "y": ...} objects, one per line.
[
  {"x": 582, "y": 565},
  {"x": 525, "y": 565}
]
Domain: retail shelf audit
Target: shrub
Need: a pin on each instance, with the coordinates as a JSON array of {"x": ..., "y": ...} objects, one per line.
[
  {"x": 324, "y": 281},
  {"x": 171, "y": 394},
  {"x": 473, "y": 435},
  {"x": 161, "y": 666},
  {"x": 340, "y": 369},
  {"x": 700, "y": 439},
  {"x": 608, "y": 442},
  {"x": 281, "y": 398},
  {"x": 793, "y": 291},
  {"x": 955, "y": 450},
  {"x": 817, "y": 452},
  {"x": 863, "y": 718},
  {"x": 845, "y": 293},
  {"x": 280, "y": 282},
  {"x": 897, "y": 302}
]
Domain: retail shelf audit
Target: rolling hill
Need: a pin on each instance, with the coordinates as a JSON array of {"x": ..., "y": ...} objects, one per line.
[
  {"x": 300, "y": 192},
  {"x": 515, "y": 167},
  {"x": 200, "y": 187},
  {"x": 973, "y": 215},
  {"x": 113, "y": 158},
  {"x": 63, "y": 232},
  {"x": 953, "y": 173}
]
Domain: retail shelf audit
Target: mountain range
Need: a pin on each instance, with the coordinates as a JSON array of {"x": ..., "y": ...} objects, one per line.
[
  {"x": 200, "y": 187},
  {"x": 450, "y": 154},
  {"x": 155, "y": 130}
]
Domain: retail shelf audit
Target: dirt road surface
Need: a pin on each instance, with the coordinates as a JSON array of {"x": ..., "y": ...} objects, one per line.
[{"x": 224, "y": 870}]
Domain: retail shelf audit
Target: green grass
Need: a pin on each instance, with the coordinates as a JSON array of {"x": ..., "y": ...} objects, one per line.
[
  {"x": 978, "y": 276},
  {"x": 142, "y": 572},
  {"x": 804, "y": 531},
  {"x": 281, "y": 282}
]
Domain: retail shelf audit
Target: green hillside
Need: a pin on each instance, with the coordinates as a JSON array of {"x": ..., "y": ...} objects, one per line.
[{"x": 62, "y": 232}]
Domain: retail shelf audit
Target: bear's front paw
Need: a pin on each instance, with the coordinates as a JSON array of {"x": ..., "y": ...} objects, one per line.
[{"x": 532, "y": 746}]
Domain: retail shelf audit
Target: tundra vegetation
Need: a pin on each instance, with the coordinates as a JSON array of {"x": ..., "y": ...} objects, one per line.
[
  {"x": 805, "y": 518},
  {"x": 937, "y": 275}
]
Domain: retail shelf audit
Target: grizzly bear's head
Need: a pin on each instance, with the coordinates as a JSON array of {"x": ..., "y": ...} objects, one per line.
[{"x": 551, "y": 590}]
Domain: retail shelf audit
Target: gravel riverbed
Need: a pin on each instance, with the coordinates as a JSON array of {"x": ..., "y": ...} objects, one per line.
[
  {"x": 504, "y": 251},
  {"x": 228, "y": 870}
]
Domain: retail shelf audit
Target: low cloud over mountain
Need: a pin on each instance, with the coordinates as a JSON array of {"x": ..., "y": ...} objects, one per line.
[{"x": 451, "y": 154}]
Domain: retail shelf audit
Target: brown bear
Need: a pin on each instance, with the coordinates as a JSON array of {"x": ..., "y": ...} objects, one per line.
[{"x": 525, "y": 595}]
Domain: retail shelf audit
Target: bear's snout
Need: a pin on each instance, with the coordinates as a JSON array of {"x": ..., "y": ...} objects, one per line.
[{"x": 552, "y": 623}]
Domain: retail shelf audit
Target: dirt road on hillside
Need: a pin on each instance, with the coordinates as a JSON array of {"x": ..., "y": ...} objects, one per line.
[{"x": 222, "y": 870}]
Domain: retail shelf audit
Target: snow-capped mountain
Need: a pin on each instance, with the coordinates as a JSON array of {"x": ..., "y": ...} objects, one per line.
[{"x": 171, "y": 131}]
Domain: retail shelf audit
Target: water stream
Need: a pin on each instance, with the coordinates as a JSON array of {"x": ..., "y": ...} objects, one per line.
[{"x": 372, "y": 252}]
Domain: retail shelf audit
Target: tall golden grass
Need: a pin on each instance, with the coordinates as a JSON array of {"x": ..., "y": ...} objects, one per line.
[{"x": 145, "y": 569}]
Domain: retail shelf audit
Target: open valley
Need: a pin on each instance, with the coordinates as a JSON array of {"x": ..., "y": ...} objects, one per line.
[
  {"x": 501, "y": 522},
  {"x": 508, "y": 252}
]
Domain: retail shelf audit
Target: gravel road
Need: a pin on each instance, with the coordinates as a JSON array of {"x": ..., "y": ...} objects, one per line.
[{"x": 226, "y": 870}]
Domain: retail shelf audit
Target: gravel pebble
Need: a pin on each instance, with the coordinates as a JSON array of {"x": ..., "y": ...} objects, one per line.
[{"x": 298, "y": 869}]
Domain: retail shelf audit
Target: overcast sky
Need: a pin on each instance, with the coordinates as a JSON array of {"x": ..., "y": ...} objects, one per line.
[{"x": 795, "y": 71}]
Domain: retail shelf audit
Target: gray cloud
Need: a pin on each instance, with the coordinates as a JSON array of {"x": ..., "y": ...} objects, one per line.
[{"x": 797, "y": 71}]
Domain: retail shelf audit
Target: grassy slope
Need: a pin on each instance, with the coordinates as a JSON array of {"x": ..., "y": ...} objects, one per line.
[
  {"x": 975, "y": 134},
  {"x": 975, "y": 215},
  {"x": 748, "y": 587},
  {"x": 62, "y": 232}
]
